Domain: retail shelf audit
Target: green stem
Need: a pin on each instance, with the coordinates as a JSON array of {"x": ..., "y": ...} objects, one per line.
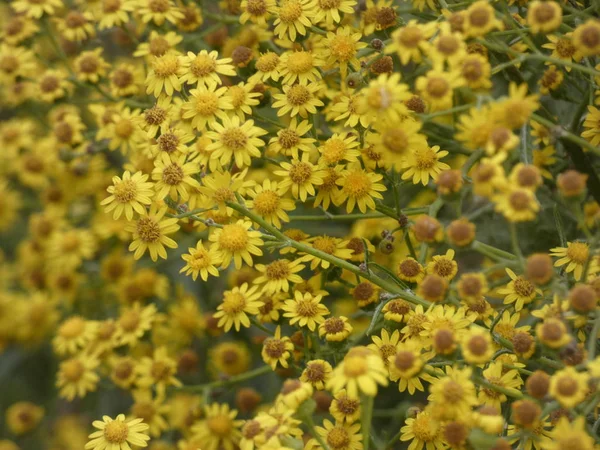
[
  {"x": 514, "y": 239},
  {"x": 481, "y": 381},
  {"x": 566, "y": 134},
  {"x": 592, "y": 338},
  {"x": 366, "y": 419},
  {"x": 492, "y": 252},
  {"x": 308, "y": 420},
  {"x": 334, "y": 217},
  {"x": 305, "y": 248},
  {"x": 229, "y": 381}
]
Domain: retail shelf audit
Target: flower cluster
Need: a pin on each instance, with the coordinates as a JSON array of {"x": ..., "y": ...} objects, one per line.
[{"x": 300, "y": 224}]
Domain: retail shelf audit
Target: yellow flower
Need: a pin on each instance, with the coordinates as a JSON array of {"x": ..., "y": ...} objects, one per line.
[
  {"x": 128, "y": 195},
  {"x": 543, "y": 17},
  {"x": 517, "y": 204},
  {"x": 410, "y": 41},
  {"x": 23, "y": 417},
  {"x": 77, "y": 376},
  {"x": 158, "y": 11},
  {"x": 35, "y": 9},
  {"x": 229, "y": 358},
  {"x": 150, "y": 233},
  {"x": 205, "y": 106},
  {"x": 297, "y": 99},
  {"x": 405, "y": 366},
  {"x": 235, "y": 141},
  {"x": 574, "y": 256},
  {"x": 157, "y": 371},
  {"x": 340, "y": 48},
  {"x": 218, "y": 429},
  {"x": 569, "y": 387},
  {"x": 384, "y": 98},
  {"x": 360, "y": 372},
  {"x": 74, "y": 334},
  {"x": 519, "y": 291},
  {"x": 453, "y": 394},
  {"x": 443, "y": 265},
  {"x": 480, "y": 19},
  {"x": 277, "y": 349},
  {"x": 306, "y": 310},
  {"x": 152, "y": 409},
  {"x": 173, "y": 177},
  {"x": 422, "y": 431},
  {"x": 592, "y": 126},
  {"x": 90, "y": 66},
  {"x": 316, "y": 373},
  {"x": 278, "y": 275},
  {"x": 344, "y": 408},
  {"x": 339, "y": 436},
  {"x": 76, "y": 26},
  {"x": 301, "y": 175},
  {"x": 586, "y": 37},
  {"x": 236, "y": 305},
  {"x": 158, "y": 44},
  {"x": 256, "y": 11},
  {"x": 133, "y": 323},
  {"x": 269, "y": 203},
  {"x": 335, "y": 329},
  {"x": 566, "y": 433},
  {"x": 164, "y": 75},
  {"x": 300, "y": 65},
  {"x": 200, "y": 261},
  {"x": 236, "y": 241},
  {"x": 477, "y": 346},
  {"x": 293, "y": 17},
  {"x": 498, "y": 376},
  {"x": 330, "y": 245},
  {"x": 118, "y": 433},
  {"x": 204, "y": 68},
  {"x": 290, "y": 141},
  {"x": 437, "y": 88},
  {"x": 423, "y": 163},
  {"x": 360, "y": 187},
  {"x": 562, "y": 48}
]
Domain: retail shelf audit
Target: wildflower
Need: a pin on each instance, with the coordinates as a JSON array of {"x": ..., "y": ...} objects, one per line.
[
  {"x": 496, "y": 375},
  {"x": 543, "y": 17},
  {"x": 237, "y": 304},
  {"x": 201, "y": 261},
  {"x": 290, "y": 141},
  {"x": 423, "y": 163},
  {"x": 574, "y": 256},
  {"x": 236, "y": 241},
  {"x": 297, "y": 99},
  {"x": 592, "y": 129},
  {"x": 301, "y": 175},
  {"x": 344, "y": 408},
  {"x": 410, "y": 41},
  {"x": 173, "y": 176},
  {"x": 586, "y": 38},
  {"x": 23, "y": 417},
  {"x": 360, "y": 371},
  {"x": 277, "y": 349},
  {"x": 340, "y": 48},
  {"x": 218, "y": 428},
  {"x": 77, "y": 376},
  {"x": 517, "y": 205},
  {"x": 159, "y": 11},
  {"x": 340, "y": 435},
  {"x": 384, "y": 98},
  {"x": 74, "y": 334},
  {"x": 133, "y": 323},
  {"x": 158, "y": 371},
  {"x": 335, "y": 329},
  {"x": 317, "y": 373},
  {"x": 329, "y": 245},
  {"x": 205, "y": 106},
  {"x": 235, "y": 141},
  {"x": 566, "y": 433},
  {"x": 569, "y": 387},
  {"x": 118, "y": 433},
  {"x": 278, "y": 274},
  {"x": 150, "y": 233},
  {"x": 422, "y": 431},
  {"x": 293, "y": 17},
  {"x": 306, "y": 310}
]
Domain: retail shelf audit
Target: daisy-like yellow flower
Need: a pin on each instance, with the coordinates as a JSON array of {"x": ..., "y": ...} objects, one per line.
[
  {"x": 268, "y": 202},
  {"x": 76, "y": 26},
  {"x": 566, "y": 433},
  {"x": 290, "y": 141},
  {"x": 164, "y": 75},
  {"x": 574, "y": 256},
  {"x": 300, "y": 65},
  {"x": 477, "y": 346},
  {"x": 53, "y": 84},
  {"x": 341, "y": 435},
  {"x": 519, "y": 291},
  {"x": 35, "y": 9},
  {"x": 158, "y": 371},
  {"x": 316, "y": 373},
  {"x": 235, "y": 141},
  {"x": 201, "y": 261},
  {"x": 339, "y": 148},
  {"x": 505, "y": 378},
  {"x": 277, "y": 349},
  {"x": 236, "y": 305},
  {"x": 301, "y": 175},
  {"x": 410, "y": 41},
  {"x": 118, "y": 434},
  {"x": 340, "y": 48},
  {"x": 173, "y": 176},
  {"x": 384, "y": 98},
  {"x": 256, "y": 11},
  {"x": 243, "y": 98},
  {"x": 423, "y": 163},
  {"x": 158, "y": 44},
  {"x": 480, "y": 19},
  {"x": 592, "y": 126},
  {"x": 443, "y": 265},
  {"x": 422, "y": 431},
  {"x": 150, "y": 233},
  {"x": 297, "y": 99},
  {"x": 74, "y": 334},
  {"x": 158, "y": 11},
  {"x": 90, "y": 66},
  {"x": 360, "y": 187},
  {"x": 453, "y": 394},
  {"x": 129, "y": 194},
  {"x": 517, "y": 204},
  {"x": 77, "y": 376},
  {"x": 218, "y": 428},
  {"x": 562, "y": 48},
  {"x": 360, "y": 372},
  {"x": 293, "y": 17},
  {"x": 306, "y": 310},
  {"x": 204, "y": 68},
  {"x": 344, "y": 408},
  {"x": 395, "y": 142},
  {"x": 349, "y": 107},
  {"x": 267, "y": 68},
  {"x": 569, "y": 387},
  {"x": 543, "y": 17},
  {"x": 335, "y": 329},
  {"x": 437, "y": 88},
  {"x": 236, "y": 242},
  {"x": 515, "y": 111},
  {"x": 205, "y": 106},
  {"x": 278, "y": 275}
]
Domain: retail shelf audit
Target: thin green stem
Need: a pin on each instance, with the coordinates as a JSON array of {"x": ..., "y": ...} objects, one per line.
[
  {"x": 229, "y": 381},
  {"x": 492, "y": 252},
  {"x": 366, "y": 419},
  {"x": 593, "y": 337},
  {"x": 306, "y": 248}
]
